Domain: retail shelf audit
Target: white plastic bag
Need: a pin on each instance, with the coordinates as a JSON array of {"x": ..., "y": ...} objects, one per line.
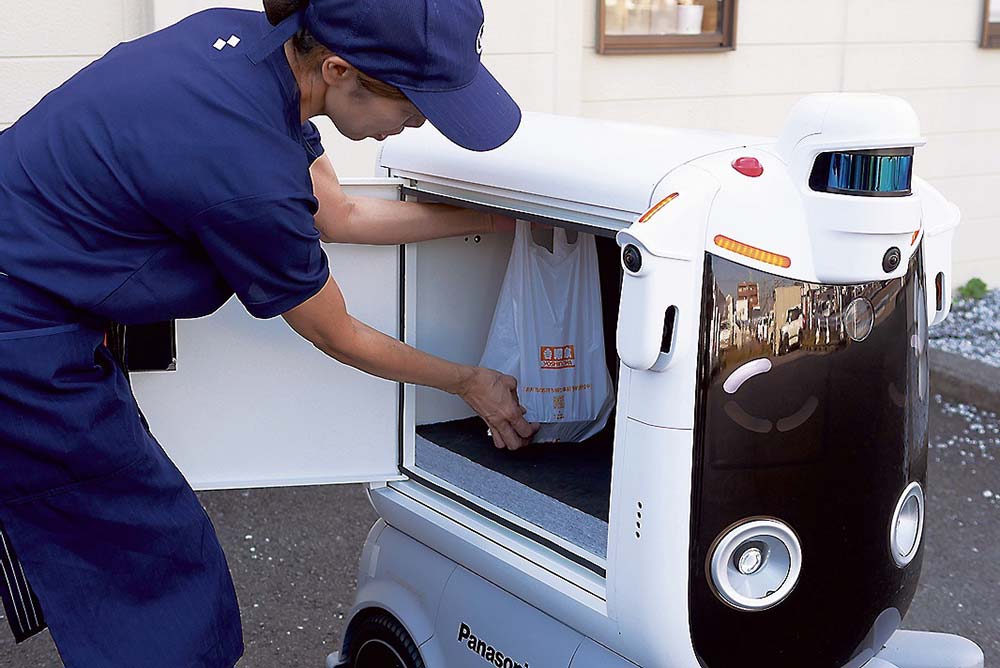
[{"x": 547, "y": 332}]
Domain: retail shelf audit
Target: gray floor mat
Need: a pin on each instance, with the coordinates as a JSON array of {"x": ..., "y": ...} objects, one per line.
[
  {"x": 579, "y": 528},
  {"x": 577, "y": 474}
]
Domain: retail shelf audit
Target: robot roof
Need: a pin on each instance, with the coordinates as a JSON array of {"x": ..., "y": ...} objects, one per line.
[{"x": 596, "y": 162}]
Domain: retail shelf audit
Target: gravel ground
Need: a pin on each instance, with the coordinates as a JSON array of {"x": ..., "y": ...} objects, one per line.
[
  {"x": 971, "y": 329},
  {"x": 294, "y": 552}
]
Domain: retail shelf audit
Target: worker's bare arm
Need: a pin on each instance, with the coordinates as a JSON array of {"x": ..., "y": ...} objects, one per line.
[
  {"x": 324, "y": 321},
  {"x": 363, "y": 220}
]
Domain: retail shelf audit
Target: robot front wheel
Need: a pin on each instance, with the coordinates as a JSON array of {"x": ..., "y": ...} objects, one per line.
[{"x": 380, "y": 641}]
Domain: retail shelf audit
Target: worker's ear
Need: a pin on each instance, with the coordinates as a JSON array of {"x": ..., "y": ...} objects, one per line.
[{"x": 339, "y": 73}]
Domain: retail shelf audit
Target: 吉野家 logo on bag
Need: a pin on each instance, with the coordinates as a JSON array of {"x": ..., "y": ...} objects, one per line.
[
  {"x": 558, "y": 357},
  {"x": 488, "y": 652}
]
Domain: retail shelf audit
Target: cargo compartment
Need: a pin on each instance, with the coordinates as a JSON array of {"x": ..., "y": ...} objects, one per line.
[{"x": 563, "y": 489}]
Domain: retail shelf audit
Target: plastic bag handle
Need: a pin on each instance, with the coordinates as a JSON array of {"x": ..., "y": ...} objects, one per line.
[
  {"x": 559, "y": 237},
  {"x": 523, "y": 238},
  {"x": 561, "y": 247}
]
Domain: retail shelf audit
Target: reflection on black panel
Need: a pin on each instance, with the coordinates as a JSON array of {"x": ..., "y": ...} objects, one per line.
[{"x": 819, "y": 343}]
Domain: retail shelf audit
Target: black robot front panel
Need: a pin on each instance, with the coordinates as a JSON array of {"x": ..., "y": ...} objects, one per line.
[{"x": 812, "y": 422}]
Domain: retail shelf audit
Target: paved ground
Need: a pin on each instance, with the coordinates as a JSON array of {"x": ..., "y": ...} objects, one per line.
[
  {"x": 293, "y": 553},
  {"x": 960, "y": 588}
]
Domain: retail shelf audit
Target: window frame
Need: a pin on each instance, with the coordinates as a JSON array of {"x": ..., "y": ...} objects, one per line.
[
  {"x": 991, "y": 30},
  {"x": 725, "y": 40}
]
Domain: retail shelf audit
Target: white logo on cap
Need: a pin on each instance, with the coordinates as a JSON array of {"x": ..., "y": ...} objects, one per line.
[
  {"x": 479, "y": 40},
  {"x": 220, "y": 43}
]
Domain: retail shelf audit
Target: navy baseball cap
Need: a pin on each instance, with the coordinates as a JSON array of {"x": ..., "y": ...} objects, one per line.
[{"x": 429, "y": 49}]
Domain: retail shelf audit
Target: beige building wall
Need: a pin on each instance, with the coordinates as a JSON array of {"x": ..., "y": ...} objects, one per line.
[
  {"x": 543, "y": 51},
  {"x": 44, "y": 42}
]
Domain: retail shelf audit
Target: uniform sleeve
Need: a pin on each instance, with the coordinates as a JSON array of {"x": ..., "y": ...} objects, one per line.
[
  {"x": 314, "y": 143},
  {"x": 267, "y": 249}
]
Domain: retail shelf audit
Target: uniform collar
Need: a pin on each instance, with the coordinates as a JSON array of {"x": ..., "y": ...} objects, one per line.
[
  {"x": 277, "y": 61},
  {"x": 276, "y": 37}
]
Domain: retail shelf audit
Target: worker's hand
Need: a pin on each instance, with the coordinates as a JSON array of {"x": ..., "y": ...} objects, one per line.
[{"x": 493, "y": 396}]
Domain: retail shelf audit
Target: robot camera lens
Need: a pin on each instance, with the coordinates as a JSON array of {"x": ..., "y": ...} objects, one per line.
[
  {"x": 890, "y": 262},
  {"x": 632, "y": 258}
]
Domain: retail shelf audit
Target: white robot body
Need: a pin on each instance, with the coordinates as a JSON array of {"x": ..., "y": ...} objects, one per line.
[{"x": 685, "y": 207}]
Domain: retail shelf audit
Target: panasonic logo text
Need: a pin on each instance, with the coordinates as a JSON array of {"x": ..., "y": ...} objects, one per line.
[{"x": 489, "y": 654}]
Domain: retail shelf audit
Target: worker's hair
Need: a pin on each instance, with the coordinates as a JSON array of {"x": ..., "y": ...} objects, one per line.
[{"x": 313, "y": 53}]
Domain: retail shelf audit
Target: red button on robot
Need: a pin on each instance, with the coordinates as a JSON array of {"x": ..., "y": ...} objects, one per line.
[{"x": 748, "y": 166}]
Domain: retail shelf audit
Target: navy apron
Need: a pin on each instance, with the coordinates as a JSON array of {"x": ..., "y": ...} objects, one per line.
[{"x": 103, "y": 540}]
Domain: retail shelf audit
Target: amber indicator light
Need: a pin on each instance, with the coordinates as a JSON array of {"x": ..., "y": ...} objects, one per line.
[
  {"x": 752, "y": 252},
  {"x": 659, "y": 205}
]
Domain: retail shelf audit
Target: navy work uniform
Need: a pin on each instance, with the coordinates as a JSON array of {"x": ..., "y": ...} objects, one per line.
[{"x": 154, "y": 184}]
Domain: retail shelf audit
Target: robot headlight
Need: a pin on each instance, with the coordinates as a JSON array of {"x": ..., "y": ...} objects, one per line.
[
  {"x": 755, "y": 564},
  {"x": 876, "y": 173},
  {"x": 907, "y": 525}
]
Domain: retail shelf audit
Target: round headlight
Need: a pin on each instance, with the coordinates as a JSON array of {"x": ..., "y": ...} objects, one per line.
[
  {"x": 756, "y": 564},
  {"x": 907, "y": 526},
  {"x": 859, "y": 319}
]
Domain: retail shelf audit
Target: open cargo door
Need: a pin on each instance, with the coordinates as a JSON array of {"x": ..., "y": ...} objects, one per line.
[{"x": 252, "y": 404}]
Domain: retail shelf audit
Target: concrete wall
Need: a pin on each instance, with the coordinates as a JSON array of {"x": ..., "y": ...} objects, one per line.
[{"x": 543, "y": 50}]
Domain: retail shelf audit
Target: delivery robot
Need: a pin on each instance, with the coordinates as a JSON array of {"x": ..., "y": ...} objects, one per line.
[
  {"x": 766, "y": 305},
  {"x": 770, "y": 452}
]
